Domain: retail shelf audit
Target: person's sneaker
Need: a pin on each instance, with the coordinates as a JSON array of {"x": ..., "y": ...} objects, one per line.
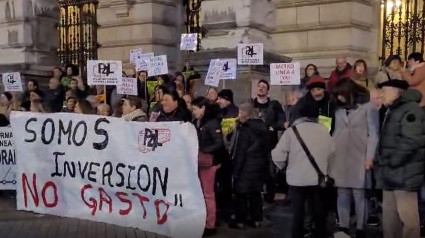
[
  {"x": 209, "y": 232},
  {"x": 372, "y": 221}
]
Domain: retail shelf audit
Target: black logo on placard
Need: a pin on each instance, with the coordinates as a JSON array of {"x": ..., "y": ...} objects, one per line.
[
  {"x": 249, "y": 51},
  {"x": 105, "y": 69},
  {"x": 10, "y": 79},
  {"x": 150, "y": 139},
  {"x": 226, "y": 66}
]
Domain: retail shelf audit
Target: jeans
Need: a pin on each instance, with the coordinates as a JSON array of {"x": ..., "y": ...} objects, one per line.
[
  {"x": 400, "y": 214},
  {"x": 248, "y": 203},
  {"x": 300, "y": 195},
  {"x": 345, "y": 196},
  {"x": 207, "y": 178}
]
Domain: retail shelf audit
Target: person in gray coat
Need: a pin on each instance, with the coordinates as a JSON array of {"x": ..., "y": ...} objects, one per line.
[
  {"x": 355, "y": 136},
  {"x": 301, "y": 176}
]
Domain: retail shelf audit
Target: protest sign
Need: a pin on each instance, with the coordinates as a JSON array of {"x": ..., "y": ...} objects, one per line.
[
  {"x": 141, "y": 175},
  {"x": 285, "y": 74},
  {"x": 135, "y": 55},
  {"x": 158, "y": 65},
  {"x": 142, "y": 64},
  {"x": 7, "y": 160},
  {"x": 100, "y": 72},
  {"x": 250, "y": 54},
  {"x": 227, "y": 125},
  {"x": 189, "y": 42},
  {"x": 228, "y": 71},
  {"x": 127, "y": 86},
  {"x": 214, "y": 73},
  {"x": 12, "y": 82}
]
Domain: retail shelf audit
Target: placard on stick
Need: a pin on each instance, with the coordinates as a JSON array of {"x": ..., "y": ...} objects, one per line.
[
  {"x": 228, "y": 71},
  {"x": 189, "y": 42},
  {"x": 142, "y": 64},
  {"x": 285, "y": 74},
  {"x": 12, "y": 82},
  {"x": 135, "y": 54},
  {"x": 127, "y": 86},
  {"x": 251, "y": 54},
  {"x": 101, "y": 72},
  {"x": 158, "y": 65},
  {"x": 214, "y": 73}
]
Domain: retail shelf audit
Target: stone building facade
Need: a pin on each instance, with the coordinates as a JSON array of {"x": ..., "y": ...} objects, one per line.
[{"x": 309, "y": 31}]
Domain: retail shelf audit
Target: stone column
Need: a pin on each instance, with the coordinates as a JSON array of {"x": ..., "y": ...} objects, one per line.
[
  {"x": 316, "y": 31},
  {"x": 28, "y": 36},
  {"x": 229, "y": 23},
  {"x": 152, "y": 25}
]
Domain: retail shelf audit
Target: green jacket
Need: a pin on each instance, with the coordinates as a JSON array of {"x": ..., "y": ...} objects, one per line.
[{"x": 400, "y": 157}]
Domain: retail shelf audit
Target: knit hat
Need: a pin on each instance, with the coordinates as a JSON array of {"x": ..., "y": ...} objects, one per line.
[
  {"x": 316, "y": 83},
  {"x": 8, "y": 95},
  {"x": 226, "y": 94},
  {"x": 309, "y": 110},
  {"x": 395, "y": 83}
]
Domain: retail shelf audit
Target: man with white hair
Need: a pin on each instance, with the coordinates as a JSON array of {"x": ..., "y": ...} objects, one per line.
[{"x": 342, "y": 70}]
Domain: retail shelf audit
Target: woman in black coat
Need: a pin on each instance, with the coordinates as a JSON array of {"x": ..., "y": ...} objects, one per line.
[
  {"x": 249, "y": 153},
  {"x": 211, "y": 144}
]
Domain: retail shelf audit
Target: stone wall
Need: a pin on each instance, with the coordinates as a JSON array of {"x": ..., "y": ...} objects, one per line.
[
  {"x": 153, "y": 25},
  {"x": 316, "y": 31}
]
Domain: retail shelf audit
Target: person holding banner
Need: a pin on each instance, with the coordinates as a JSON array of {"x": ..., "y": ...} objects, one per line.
[
  {"x": 37, "y": 106},
  {"x": 83, "y": 107},
  {"x": 6, "y": 104},
  {"x": 55, "y": 95},
  {"x": 211, "y": 144},
  {"x": 172, "y": 108},
  {"x": 132, "y": 109}
]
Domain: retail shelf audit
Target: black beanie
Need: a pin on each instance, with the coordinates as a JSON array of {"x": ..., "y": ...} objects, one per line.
[
  {"x": 309, "y": 110},
  {"x": 226, "y": 94}
]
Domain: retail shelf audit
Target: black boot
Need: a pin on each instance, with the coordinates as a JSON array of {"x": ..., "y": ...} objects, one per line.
[
  {"x": 209, "y": 232},
  {"x": 360, "y": 234}
]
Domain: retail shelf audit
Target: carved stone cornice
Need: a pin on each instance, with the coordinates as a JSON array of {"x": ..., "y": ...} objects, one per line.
[
  {"x": 300, "y": 3},
  {"x": 323, "y": 26}
]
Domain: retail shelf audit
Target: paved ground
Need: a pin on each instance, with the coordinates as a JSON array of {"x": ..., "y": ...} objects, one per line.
[{"x": 18, "y": 224}]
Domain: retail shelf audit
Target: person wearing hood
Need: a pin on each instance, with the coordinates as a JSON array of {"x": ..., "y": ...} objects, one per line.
[
  {"x": 320, "y": 99},
  {"x": 210, "y": 138},
  {"x": 301, "y": 176},
  {"x": 399, "y": 163},
  {"x": 132, "y": 109},
  {"x": 343, "y": 70},
  {"x": 249, "y": 153},
  {"x": 355, "y": 136}
]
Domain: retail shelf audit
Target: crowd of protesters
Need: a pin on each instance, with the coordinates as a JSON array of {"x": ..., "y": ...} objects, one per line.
[{"x": 354, "y": 145}]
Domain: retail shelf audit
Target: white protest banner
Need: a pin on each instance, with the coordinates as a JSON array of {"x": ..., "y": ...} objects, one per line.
[
  {"x": 7, "y": 160},
  {"x": 142, "y": 64},
  {"x": 141, "y": 175},
  {"x": 214, "y": 73},
  {"x": 251, "y": 54},
  {"x": 101, "y": 72},
  {"x": 189, "y": 42},
  {"x": 158, "y": 65},
  {"x": 285, "y": 74},
  {"x": 127, "y": 86},
  {"x": 135, "y": 54},
  {"x": 12, "y": 82},
  {"x": 228, "y": 71}
]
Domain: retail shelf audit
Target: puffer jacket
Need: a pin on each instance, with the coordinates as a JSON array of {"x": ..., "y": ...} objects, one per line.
[
  {"x": 210, "y": 138},
  {"x": 399, "y": 163},
  {"x": 249, "y": 151}
]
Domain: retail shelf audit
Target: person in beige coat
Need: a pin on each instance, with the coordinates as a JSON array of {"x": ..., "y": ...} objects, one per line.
[
  {"x": 355, "y": 136},
  {"x": 301, "y": 176},
  {"x": 390, "y": 70}
]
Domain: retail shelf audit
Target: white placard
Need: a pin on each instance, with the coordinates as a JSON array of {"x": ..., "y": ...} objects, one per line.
[
  {"x": 103, "y": 72},
  {"x": 142, "y": 64},
  {"x": 285, "y": 74},
  {"x": 189, "y": 41},
  {"x": 141, "y": 175},
  {"x": 7, "y": 160},
  {"x": 135, "y": 54},
  {"x": 214, "y": 73},
  {"x": 158, "y": 65},
  {"x": 127, "y": 86},
  {"x": 251, "y": 54},
  {"x": 12, "y": 82},
  {"x": 228, "y": 71}
]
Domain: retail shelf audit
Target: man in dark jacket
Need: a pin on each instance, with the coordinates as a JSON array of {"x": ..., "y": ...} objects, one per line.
[
  {"x": 54, "y": 96},
  {"x": 271, "y": 112},
  {"x": 321, "y": 100},
  {"x": 400, "y": 159}
]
